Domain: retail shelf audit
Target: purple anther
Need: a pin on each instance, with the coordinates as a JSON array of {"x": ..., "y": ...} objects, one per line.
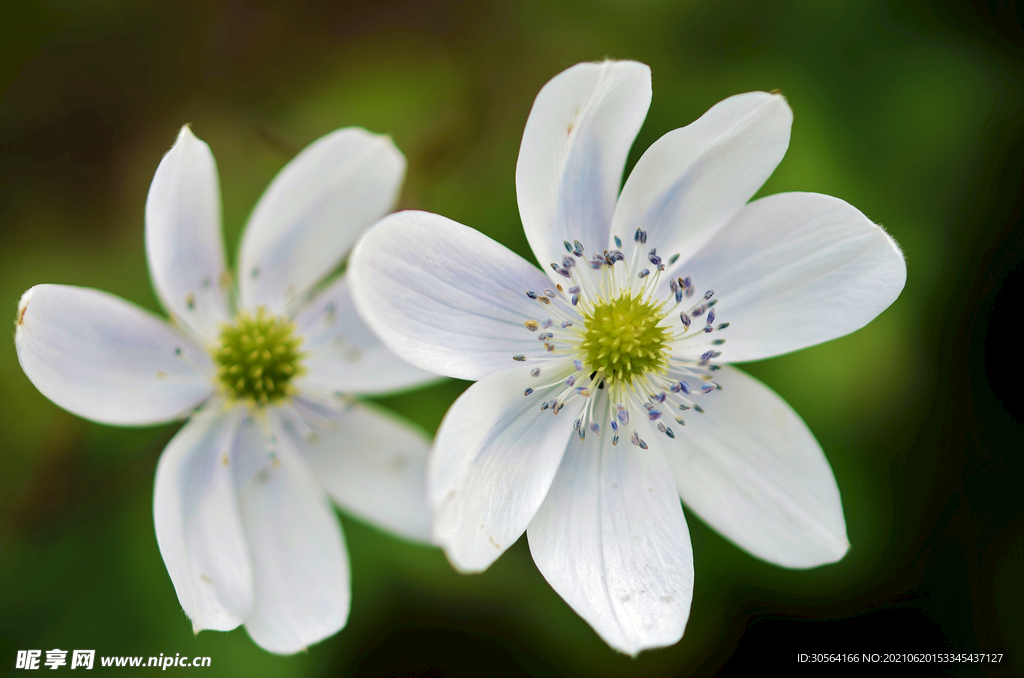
[
  {"x": 549, "y": 347},
  {"x": 527, "y": 391},
  {"x": 564, "y": 272},
  {"x": 658, "y": 397},
  {"x": 709, "y": 294},
  {"x": 643, "y": 274},
  {"x": 547, "y": 323},
  {"x": 596, "y": 428},
  {"x": 676, "y": 387},
  {"x": 699, "y": 311},
  {"x": 708, "y": 329},
  {"x": 623, "y": 414},
  {"x": 635, "y": 439},
  {"x": 568, "y": 262},
  {"x": 571, "y": 380},
  {"x": 615, "y": 439},
  {"x": 684, "y": 387},
  {"x": 578, "y": 364},
  {"x": 679, "y": 294},
  {"x": 685, "y": 318},
  {"x": 654, "y": 415},
  {"x": 535, "y": 372},
  {"x": 711, "y": 317},
  {"x": 708, "y": 388},
  {"x": 706, "y": 356},
  {"x": 636, "y": 236},
  {"x": 566, "y": 323},
  {"x": 673, "y": 285},
  {"x": 532, "y": 295},
  {"x": 575, "y": 298},
  {"x": 653, "y": 257},
  {"x": 661, "y": 426},
  {"x": 577, "y": 248},
  {"x": 686, "y": 282},
  {"x": 615, "y": 425}
]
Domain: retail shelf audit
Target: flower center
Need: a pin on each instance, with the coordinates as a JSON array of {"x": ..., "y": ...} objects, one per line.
[
  {"x": 608, "y": 340},
  {"x": 257, "y": 357},
  {"x": 624, "y": 339}
]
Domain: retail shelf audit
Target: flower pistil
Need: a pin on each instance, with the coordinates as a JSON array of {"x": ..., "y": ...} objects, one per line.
[{"x": 257, "y": 357}]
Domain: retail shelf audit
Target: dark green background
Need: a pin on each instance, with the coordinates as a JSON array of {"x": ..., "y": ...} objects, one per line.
[{"x": 911, "y": 112}]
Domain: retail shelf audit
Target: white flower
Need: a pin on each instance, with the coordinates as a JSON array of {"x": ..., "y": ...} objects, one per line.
[
  {"x": 243, "y": 523},
  {"x": 648, "y": 293}
]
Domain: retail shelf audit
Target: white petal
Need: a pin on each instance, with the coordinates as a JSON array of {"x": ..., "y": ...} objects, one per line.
[
  {"x": 198, "y": 527},
  {"x": 104, "y": 359},
  {"x": 183, "y": 237},
  {"x": 300, "y": 565},
  {"x": 374, "y": 466},
  {"x": 753, "y": 471},
  {"x": 796, "y": 269},
  {"x": 313, "y": 211},
  {"x": 445, "y": 297},
  {"x": 573, "y": 152},
  {"x": 691, "y": 181},
  {"x": 343, "y": 355},
  {"x": 492, "y": 463},
  {"x": 611, "y": 539}
]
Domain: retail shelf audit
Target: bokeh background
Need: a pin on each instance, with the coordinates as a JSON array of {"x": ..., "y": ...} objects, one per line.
[{"x": 910, "y": 111}]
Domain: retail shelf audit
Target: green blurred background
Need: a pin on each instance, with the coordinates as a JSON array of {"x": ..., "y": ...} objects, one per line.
[{"x": 909, "y": 111}]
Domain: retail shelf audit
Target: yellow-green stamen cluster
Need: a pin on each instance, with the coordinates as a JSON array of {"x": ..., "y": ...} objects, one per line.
[
  {"x": 257, "y": 357},
  {"x": 624, "y": 340}
]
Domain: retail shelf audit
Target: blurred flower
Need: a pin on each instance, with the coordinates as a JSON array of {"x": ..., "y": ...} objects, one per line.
[
  {"x": 628, "y": 342},
  {"x": 243, "y": 523}
]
